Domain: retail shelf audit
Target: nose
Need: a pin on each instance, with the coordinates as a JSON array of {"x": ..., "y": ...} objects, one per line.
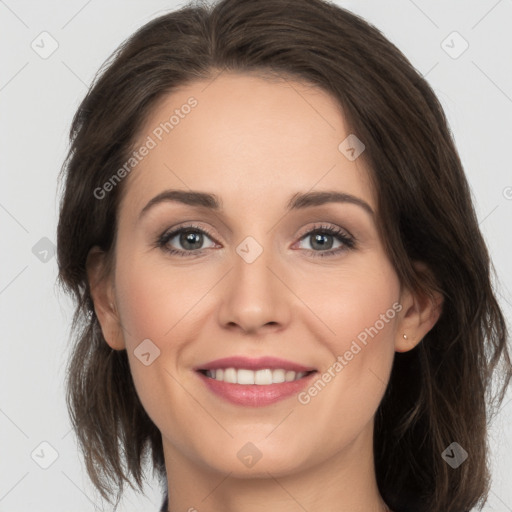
[{"x": 255, "y": 296}]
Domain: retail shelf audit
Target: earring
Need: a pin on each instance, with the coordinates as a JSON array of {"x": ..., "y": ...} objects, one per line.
[{"x": 405, "y": 336}]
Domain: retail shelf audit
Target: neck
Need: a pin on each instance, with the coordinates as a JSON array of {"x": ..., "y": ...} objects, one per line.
[{"x": 345, "y": 482}]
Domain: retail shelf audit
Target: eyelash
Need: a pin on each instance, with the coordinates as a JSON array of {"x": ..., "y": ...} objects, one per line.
[{"x": 347, "y": 240}]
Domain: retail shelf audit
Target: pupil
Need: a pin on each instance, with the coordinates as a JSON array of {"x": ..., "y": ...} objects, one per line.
[
  {"x": 188, "y": 239},
  {"x": 323, "y": 245}
]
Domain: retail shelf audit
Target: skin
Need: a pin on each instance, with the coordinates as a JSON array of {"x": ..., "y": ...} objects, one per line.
[{"x": 254, "y": 143}]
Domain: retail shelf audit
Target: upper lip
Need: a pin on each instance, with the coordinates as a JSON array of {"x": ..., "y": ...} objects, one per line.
[{"x": 260, "y": 363}]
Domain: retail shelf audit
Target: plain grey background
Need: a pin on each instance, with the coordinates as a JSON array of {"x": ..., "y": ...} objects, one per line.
[{"x": 39, "y": 93}]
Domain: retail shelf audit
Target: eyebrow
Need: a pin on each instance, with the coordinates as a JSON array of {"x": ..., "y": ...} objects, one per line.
[{"x": 212, "y": 202}]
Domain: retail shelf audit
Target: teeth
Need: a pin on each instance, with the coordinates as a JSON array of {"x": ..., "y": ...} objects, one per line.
[
  {"x": 229, "y": 375},
  {"x": 260, "y": 377},
  {"x": 289, "y": 376},
  {"x": 263, "y": 377},
  {"x": 244, "y": 377}
]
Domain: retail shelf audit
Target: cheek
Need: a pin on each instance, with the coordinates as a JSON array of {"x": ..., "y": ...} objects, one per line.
[
  {"x": 154, "y": 298},
  {"x": 358, "y": 304},
  {"x": 361, "y": 313},
  {"x": 157, "y": 303}
]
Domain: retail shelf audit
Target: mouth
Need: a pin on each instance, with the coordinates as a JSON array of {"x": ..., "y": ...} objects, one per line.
[{"x": 254, "y": 382}]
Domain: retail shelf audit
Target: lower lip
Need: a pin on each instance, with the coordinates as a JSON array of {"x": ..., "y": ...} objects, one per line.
[{"x": 254, "y": 395}]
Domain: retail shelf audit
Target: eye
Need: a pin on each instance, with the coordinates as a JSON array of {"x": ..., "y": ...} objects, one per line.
[
  {"x": 321, "y": 238},
  {"x": 191, "y": 239}
]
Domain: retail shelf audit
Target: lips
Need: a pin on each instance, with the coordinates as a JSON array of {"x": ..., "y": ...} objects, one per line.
[{"x": 254, "y": 382}]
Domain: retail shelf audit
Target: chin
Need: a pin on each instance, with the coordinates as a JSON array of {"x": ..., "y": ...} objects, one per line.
[{"x": 245, "y": 459}]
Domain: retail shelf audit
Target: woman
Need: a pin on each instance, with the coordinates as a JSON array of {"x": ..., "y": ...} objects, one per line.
[{"x": 283, "y": 296}]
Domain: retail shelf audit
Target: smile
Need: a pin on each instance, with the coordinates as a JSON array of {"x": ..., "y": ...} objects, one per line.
[{"x": 258, "y": 382}]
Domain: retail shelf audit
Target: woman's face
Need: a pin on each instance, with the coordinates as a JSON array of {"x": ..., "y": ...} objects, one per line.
[{"x": 254, "y": 278}]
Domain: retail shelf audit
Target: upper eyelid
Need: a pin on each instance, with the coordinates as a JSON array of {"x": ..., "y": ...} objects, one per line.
[
  {"x": 327, "y": 227},
  {"x": 317, "y": 225}
]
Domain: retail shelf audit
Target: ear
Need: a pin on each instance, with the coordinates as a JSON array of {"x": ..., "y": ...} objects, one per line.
[
  {"x": 102, "y": 292},
  {"x": 420, "y": 312}
]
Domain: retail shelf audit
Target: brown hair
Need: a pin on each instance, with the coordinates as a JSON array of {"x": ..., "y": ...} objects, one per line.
[{"x": 440, "y": 391}]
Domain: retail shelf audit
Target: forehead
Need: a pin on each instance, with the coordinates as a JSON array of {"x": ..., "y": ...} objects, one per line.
[{"x": 243, "y": 135}]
